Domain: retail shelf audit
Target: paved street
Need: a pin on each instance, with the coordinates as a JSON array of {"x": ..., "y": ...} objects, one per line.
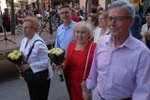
[{"x": 17, "y": 90}]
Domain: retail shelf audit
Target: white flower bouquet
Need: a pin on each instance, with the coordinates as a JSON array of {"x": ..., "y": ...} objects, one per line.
[
  {"x": 15, "y": 57},
  {"x": 56, "y": 55}
]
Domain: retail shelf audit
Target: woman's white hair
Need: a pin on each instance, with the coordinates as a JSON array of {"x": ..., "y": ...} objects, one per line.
[{"x": 86, "y": 26}]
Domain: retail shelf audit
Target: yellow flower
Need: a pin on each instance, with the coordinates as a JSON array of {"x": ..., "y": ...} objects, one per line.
[
  {"x": 56, "y": 55},
  {"x": 14, "y": 55},
  {"x": 56, "y": 51},
  {"x": 59, "y": 51}
]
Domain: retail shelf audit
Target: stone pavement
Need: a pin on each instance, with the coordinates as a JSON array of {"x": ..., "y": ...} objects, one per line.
[{"x": 17, "y": 90}]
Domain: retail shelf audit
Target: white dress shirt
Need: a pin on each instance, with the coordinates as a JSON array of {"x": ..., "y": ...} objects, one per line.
[
  {"x": 97, "y": 34},
  {"x": 144, "y": 29},
  {"x": 38, "y": 59}
]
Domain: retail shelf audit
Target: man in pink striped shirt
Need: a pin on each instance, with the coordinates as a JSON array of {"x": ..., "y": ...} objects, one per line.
[{"x": 121, "y": 64}]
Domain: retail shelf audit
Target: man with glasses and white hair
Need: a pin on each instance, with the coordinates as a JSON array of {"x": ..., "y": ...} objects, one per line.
[{"x": 121, "y": 63}]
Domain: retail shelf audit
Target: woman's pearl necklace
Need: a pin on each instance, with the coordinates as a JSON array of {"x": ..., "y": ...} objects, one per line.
[{"x": 80, "y": 47}]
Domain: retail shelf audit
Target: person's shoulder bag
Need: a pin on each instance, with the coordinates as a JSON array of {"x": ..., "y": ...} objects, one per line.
[
  {"x": 29, "y": 76},
  {"x": 83, "y": 83}
]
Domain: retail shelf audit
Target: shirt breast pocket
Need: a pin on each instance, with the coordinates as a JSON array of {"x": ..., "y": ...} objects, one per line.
[
  {"x": 124, "y": 73},
  {"x": 103, "y": 58}
]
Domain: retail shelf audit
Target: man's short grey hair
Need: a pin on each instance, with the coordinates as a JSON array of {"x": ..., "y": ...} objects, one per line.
[{"x": 125, "y": 4}]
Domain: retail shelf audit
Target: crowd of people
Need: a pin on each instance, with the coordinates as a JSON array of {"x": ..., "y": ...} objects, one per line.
[
  {"x": 108, "y": 49},
  {"x": 119, "y": 63}
]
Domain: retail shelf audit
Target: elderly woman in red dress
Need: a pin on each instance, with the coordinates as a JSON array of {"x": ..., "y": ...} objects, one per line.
[{"x": 76, "y": 58}]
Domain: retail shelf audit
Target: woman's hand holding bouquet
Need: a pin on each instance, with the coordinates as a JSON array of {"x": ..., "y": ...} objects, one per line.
[
  {"x": 57, "y": 57},
  {"x": 23, "y": 67},
  {"x": 57, "y": 67},
  {"x": 16, "y": 57}
]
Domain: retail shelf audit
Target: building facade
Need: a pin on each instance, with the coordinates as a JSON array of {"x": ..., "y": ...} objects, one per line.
[
  {"x": 30, "y": 4},
  {"x": 103, "y": 3}
]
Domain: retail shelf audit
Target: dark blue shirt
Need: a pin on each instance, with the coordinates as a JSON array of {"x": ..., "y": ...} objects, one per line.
[{"x": 136, "y": 27}]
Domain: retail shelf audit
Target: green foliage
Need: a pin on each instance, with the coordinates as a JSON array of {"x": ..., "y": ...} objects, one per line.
[{"x": 8, "y": 3}]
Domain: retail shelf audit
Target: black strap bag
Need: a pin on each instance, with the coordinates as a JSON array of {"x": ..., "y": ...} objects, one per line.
[{"x": 29, "y": 76}]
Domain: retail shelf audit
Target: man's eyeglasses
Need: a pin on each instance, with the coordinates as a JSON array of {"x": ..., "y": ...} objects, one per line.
[
  {"x": 64, "y": 12},
  {"x": 82, "y": 32},
  {"x": 118, "y": 18}
]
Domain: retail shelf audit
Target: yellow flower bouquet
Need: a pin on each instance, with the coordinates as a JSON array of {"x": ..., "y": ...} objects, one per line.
[
  {"x": 15, "y": 57},
  {"x": 56, "y": 55}
]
